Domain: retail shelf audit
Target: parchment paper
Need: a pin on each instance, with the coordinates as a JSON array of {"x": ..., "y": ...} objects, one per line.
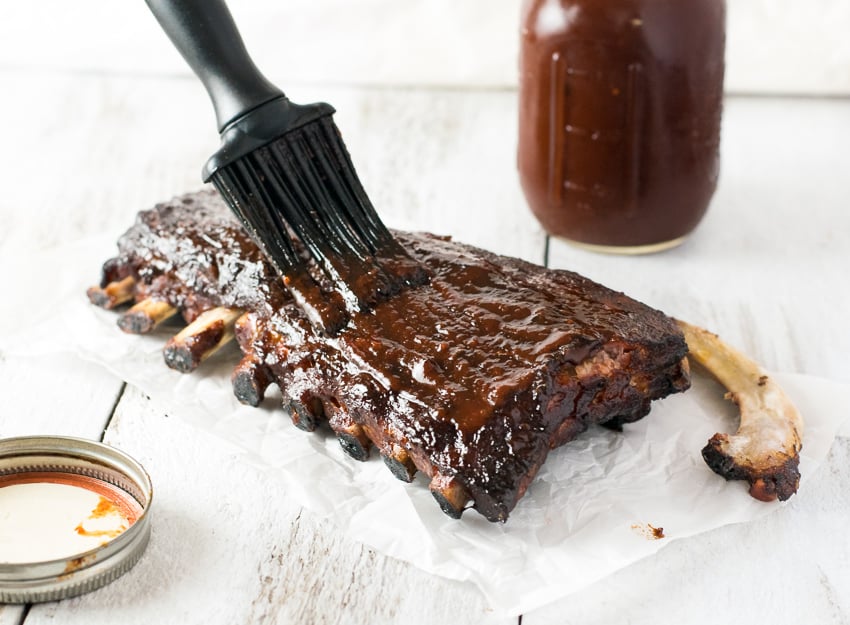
[{"x": 588, "y": 513}]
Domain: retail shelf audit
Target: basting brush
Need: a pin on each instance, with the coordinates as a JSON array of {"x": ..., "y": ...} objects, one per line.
[{"x": 287, "y": 175}]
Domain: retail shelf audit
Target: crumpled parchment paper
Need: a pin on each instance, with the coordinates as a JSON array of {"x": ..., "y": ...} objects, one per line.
[{"x": 590, "y": 511}]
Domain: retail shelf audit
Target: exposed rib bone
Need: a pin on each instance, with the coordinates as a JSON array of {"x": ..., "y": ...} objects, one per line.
[
  {"x": 450, "y": 494},
  {"x": 250, "y": 380},
  {"x": 306, "y": 413},
  {"x": 400, "y": 464},
  {"x": 113, "y": 294},
  {"x": 200, "y": 339},
  {"x": 353, "y": 437},
  {"x": 354, "y": 440},
  {"x": 145, "y": 316},
  {"x": 765, "y": 449}
]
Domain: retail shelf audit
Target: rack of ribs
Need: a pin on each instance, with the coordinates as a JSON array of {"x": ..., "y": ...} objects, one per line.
[{"x": 470, "y": 379}]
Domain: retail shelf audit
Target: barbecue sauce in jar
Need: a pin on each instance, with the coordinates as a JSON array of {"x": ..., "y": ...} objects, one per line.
[{"x": 620, "y": 107}]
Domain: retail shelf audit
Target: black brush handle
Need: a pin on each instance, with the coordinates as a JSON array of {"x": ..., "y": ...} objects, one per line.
[{"x": 203, "y": 31}]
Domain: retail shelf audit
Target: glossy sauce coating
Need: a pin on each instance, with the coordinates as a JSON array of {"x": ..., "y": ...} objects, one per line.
[
  {"x": 476, "y": 375},
  {"x": 619, "y": 116}
]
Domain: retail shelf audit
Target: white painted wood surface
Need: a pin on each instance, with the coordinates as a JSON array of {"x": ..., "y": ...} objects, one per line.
[
  {"x": 773, "y": 46},
  {"x": 82, "y": 153},
  {"x": 228, "y": 547}
]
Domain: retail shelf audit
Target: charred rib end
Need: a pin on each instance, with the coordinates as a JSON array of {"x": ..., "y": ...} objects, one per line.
[
  {"x": 113, "y": 293},
  {"x": 250, "y": 380},
  {"x": 305, "y": 416},
  {"x": 180, "y": 358},
  {"x": 145, "y": 315},
  {"x": 400, "y": 465},
  {"x": 353, "y": 446},
  {"x": 766, "y": 484},
  {"x": 450, "y": 494},
  {"x": 136, "y": 323}
]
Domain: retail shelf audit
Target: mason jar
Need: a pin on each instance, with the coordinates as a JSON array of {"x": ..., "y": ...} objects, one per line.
[{"x": 620, "y": 104}]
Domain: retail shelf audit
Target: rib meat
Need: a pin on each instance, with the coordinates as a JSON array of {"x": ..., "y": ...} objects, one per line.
[{"x": 470, "y": 379}]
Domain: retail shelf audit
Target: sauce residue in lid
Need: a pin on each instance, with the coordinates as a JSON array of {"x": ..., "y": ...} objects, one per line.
[{"x": 49, "y": 516}]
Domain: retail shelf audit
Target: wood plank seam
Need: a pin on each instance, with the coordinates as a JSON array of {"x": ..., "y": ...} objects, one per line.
[
  {"x": 25, "y": 613},
  {"x": 119, "y": 395},
  {"x": 111, "y": 415}
]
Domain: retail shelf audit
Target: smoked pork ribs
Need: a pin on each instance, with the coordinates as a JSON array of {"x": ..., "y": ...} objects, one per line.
[{"x": 470, "y": 379}]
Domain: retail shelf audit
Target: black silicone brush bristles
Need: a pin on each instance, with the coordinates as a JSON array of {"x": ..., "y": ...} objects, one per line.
[
  {"x": 287, "y": 175},
  {"x": 301, "y": 193},
  {"x": 304, "y": 180}
]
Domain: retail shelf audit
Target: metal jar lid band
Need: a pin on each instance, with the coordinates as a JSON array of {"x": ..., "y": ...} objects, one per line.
[{"x": 67, "y": 577}]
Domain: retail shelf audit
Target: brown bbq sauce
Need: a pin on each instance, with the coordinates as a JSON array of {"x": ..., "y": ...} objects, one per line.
[
  {"x": 619, "y": 117},
  {"x": 471, "y": 374}
]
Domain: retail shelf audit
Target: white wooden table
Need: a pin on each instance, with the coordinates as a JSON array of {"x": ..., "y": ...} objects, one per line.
[{"x": 82, "y": 152}]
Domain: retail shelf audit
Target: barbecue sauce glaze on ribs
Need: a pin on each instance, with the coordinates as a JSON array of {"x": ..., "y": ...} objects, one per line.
[{"x": 470, "y": 379}]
